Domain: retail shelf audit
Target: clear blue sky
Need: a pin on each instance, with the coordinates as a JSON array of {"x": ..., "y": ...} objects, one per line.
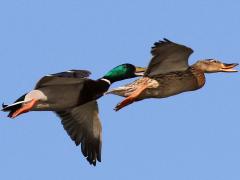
[{"x": 192, "y": 136}]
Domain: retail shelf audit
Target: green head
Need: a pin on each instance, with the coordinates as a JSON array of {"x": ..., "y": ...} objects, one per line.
[{"x": 124, "y": 71}]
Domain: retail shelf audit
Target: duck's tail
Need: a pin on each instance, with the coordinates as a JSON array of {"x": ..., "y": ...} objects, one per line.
[{"x": 13, "y": 107}]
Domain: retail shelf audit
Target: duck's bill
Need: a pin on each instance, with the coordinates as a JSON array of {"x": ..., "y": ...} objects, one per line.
[
  {"x": 140, "y": 71},
  {"x": 229, "y": 67}
]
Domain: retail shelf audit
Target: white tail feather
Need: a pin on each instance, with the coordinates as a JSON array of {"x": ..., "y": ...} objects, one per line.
[{"x": 16, "y": 103}]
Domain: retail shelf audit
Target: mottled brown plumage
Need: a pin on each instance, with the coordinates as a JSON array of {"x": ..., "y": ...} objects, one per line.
[{"x": 168, "y": 74}]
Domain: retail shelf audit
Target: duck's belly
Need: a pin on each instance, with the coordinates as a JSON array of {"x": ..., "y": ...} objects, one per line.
[{"x": 169, "y": 87}]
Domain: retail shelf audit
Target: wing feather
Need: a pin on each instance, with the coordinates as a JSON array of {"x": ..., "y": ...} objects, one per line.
[
  {"x": 84, "y": 127},
  {"x": 168, "y": 57},
  {"x": 67, "y": 77}
]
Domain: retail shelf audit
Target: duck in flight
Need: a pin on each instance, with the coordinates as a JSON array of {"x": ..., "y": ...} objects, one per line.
[
  {"x": 72, "y": 96},
  {"x": 168, "y": 74}
]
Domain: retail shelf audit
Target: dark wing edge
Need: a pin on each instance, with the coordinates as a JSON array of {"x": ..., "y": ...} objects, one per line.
[
  {"x": 166, "y": 42},
  {"x": 73, "y": 74},
  {"x": 70, "y": 76},
  {"x": 84, "y": 127},
  {"x": 168, "y": 56}
]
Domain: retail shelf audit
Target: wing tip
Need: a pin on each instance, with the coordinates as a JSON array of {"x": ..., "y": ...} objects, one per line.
[
  {"x": 161, "y": 42},
  {"x": 166, "y": 41},
  {"x": 91, "y": 156}
]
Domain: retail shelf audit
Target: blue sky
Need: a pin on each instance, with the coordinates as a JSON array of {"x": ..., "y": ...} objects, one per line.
[{"x": 192, "y": 136}]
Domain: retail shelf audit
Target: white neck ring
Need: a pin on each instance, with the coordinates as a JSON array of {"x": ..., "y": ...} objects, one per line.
[{"x": 106, "y": 80}]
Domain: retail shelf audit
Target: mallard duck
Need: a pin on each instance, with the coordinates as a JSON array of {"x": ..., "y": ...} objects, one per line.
[
  {"x": 72, "y": 96},
  {"x": 168, "y": 74}
]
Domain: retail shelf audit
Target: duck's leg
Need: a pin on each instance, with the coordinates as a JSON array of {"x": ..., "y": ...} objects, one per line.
[
  {"x": 130, "y": 99},
  {"x": 25, "y": 108}
]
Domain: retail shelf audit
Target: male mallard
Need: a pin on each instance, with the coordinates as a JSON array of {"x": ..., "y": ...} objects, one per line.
[
  {"x": 72, "y": 96},
  {"x": 168, "y": 74}
]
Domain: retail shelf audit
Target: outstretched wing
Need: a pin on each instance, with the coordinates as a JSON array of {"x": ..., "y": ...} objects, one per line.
[
  {"x": 67, "y": 77},
  {"x": 84, "y": 127},
  {"x": 168, "y": 57}
]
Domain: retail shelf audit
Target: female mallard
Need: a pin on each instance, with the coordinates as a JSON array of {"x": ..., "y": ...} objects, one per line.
[
  {"x": 72, "y": 96},
  {"x": 168, "y": 74}
]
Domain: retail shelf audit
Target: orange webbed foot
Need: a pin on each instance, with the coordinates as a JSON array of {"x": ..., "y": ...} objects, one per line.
[
  {"x": 25, "y": 108},
  {"x": 130, "y": 99},
  {"x": 125, "y": 102}
]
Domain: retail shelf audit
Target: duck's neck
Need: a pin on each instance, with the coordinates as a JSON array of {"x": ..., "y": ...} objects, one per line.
[
  {"x": 103, "y": 84},
  {"x": 111, "y": 79},
  {"x": 106, "y": 80},
  {"x": 199, "y": 75},
  {"x": 199, "y": 66},
  {"x": 196, "y": 68}
]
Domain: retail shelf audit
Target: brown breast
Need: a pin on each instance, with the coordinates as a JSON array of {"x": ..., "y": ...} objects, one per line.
[{"x": 199, "y": 76}]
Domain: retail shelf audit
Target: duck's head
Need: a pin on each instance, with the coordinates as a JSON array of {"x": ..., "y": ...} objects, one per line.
[
  {"x": 124, "y": 71},
  {"x": 213, "y": 66}
]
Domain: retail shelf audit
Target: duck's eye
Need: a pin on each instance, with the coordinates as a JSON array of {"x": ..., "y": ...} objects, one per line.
[{"x": 214, "y": 61}]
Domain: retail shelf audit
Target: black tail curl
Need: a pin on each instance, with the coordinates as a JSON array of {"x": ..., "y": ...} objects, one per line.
[{"x": 14, "y": 108}]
